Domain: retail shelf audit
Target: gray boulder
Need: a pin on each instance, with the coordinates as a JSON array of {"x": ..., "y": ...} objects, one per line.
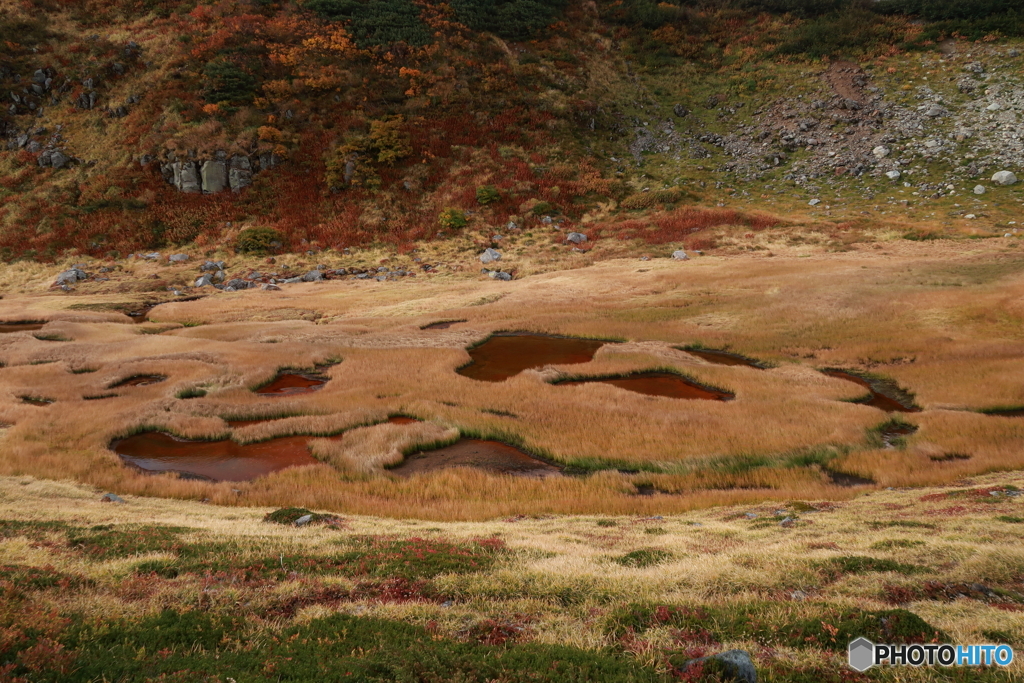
[
  {"x": 498, "y": 275},
  {"x": 112, "y": 498},
  {"x": 313, "y": 276},
  {"x": 576, "y": 238},
  {"x": 490, "y": 255},
  {"x": 187, "y": 177},
  {"x": 736, "y": 664},
  {"x": 893, "y": 175},
  {"x": 219, "y": 276},
  {"x": 239, "y": 173},
  {"x": 979, "y": 189},
  {"x": 177, "y": 258},
  {"x": 236, "y": 284},
  {"x": 292, "y": 280},
  {"x": 204, "y": 280},
  {"x": 213, "y": 266},
  {"x": 71, "y": 276},
  {"x": 1004, "y": 178},
  {"x": 304, "y": 520},
  {"x": 215, "y": 177},
  {"x": 880, "y": 152},
  {"x": 680, "y": 255}
]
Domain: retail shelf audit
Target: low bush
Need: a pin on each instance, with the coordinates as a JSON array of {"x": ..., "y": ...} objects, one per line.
[
  {"x": 645, "y": 557},
  {"x": 487, "y": 194},
  {"x": 452, "y": 219},
  {"x": 258, "y": 240}
]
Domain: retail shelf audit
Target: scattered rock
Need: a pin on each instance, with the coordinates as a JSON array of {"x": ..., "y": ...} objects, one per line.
[
  {"x": 304, "y": 520},
  {"x": 213, "y": 266},
  {"x": 71, "y": 276},
  {"x": 979, "y": 189},
  {"x": 1004, "y": 178},
  {"x": 177, "y": 258},
  {"x": 881, "y": 151},
  {"x": 204, "y": 280},
  {"x": 680, "y": 255},
  {"x": 112, "y": 498},
  {"x": 576, "y": 238},
  {"x": 499, "y": 275},
  {"x": 737, "y": 664},
  {"x": 814, "y": 202},
  {"x": 313, "y": 276},
  {"x": 490, "y": 255},
  {"x": 270, "y": 288},
  {"x": 893, "y": 175}
]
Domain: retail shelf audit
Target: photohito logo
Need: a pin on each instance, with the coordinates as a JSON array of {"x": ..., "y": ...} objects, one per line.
[{"x": 864, "y": 654}]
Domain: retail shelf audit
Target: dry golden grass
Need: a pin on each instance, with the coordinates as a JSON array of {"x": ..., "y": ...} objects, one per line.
[
  {"x": 941, "y": 319},
  {"x": 718, "y": 558}
]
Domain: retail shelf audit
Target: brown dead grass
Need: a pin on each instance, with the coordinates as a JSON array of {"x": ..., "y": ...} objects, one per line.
[{"x": 939, "y": 319}]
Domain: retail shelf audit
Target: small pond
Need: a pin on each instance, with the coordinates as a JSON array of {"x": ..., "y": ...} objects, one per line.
[
  {"x": 882, "y": 401},
  {"x": 291, "y": 383},
  {"x": 26, "y": 326},
  {"x": 506, "y": 354},
  {"x": 659, "y": 384},
  {"x": 222, "y": 460}
]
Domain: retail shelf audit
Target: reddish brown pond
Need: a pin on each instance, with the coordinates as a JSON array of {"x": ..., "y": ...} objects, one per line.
[
  {"x": 724, "y": 358},
  {"x": 878, "y": 399},
  {"x": 36, "y": 400},
  {"x": 222, "y": 460},
  {"x": 20, "y": 327},
  {"x": 138, "y": 381},
  {"x": 659, "y": 384},
  {"x": 442, "y": 325},
  {"x": 491, "y": 456},
  {"x": 291, "y": 383},
  {"x": 403, "y": 420},
  {"x": 508, "y": 353}
]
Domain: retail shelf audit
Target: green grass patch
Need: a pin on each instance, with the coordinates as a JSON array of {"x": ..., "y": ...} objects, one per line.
[
  {"x": 890, "y": 543},
  {"x": 199, "y": 646},
  {"x": 900, "y": 523},
  {"x": 51, "y": 336},
  {"x": 830, "y": 629},
  {"x": 835, "y": 568},
  {"x": 191, "y": 392},
  {"x": 1010, "y": 519},
  {"x": 105, "y": 542},
  {"x": 645, "y": 557},
  {"x": 607, "y": 522},
  {"x": 39, "y": 577}
]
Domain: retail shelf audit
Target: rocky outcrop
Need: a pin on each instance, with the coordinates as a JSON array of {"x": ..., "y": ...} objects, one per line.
[{"x": 213, "y": 175}]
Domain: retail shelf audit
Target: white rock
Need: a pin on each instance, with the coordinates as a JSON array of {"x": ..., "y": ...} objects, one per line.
[
  {"x": 970, "y": 215},
  {"x": 814, "y": 202},
  {"x": 881, "y": 151},
  {"x": 893, "y": 175},
  {"x": 993, "y": 107},
  {"x": 490, "y": 255},
  {"x": 979, "y": 189},
  {"x": 680, "y": 255},
  {"x": 1004, "y": 178}
]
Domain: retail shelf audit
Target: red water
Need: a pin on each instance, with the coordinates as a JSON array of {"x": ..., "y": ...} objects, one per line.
[
  {"x": 878, "y": 400},
  {"x": 34, "y": 401},
  {"x": 20, "y": 327},
  {"x": 443, "y": 325},
  {"x": 491, "y": 456},
  {"x": 403, "y": 420},
  {"x": 660, "y": 384},
  {"x": 222, "y": 460},
  {"x": 290, "y": 383},
  {"x": 138, "y": 381},
  {"x": 507, "y": 354},
  {"x": 724, "y": 358}
]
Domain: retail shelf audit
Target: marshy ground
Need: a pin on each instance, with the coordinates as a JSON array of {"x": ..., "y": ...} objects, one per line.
[{"x": 784, "y": 518}]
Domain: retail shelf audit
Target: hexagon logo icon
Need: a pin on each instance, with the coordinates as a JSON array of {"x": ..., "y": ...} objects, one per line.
[{"x": 862, "y": 654}]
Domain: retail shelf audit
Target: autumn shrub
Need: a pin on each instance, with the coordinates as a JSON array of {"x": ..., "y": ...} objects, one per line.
[
  {"x": 228, "y": 84},
  {"x": 258, "y": 240},
  {"x": 649, "y": 200},
  {"x": 376, "y": 22},
  {"x": 452, "y": 219},
  {"x": 510, "y": 19},
  {"x": 486, "y": 194}
]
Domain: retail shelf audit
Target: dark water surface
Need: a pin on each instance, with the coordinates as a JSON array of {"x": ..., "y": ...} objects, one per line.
[
  {"x": 724, "y": 358},
  {"x": 291, "y": 383},
  {"x": 506, "y": 354},
  {"x": 878, "y": 399},
  {"x": 222, "y": 460},
  {"x": 659, "y": 384}
]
